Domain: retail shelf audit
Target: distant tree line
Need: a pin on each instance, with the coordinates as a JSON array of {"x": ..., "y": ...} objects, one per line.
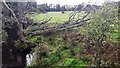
[
  {"x": 43, "y": 8},
  {"x": 58, "y": 7}
]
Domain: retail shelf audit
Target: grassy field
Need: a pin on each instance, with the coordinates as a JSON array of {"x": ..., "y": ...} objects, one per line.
[{"x": 57, "y": 17}]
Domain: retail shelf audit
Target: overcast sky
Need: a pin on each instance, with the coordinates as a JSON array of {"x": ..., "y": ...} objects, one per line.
[{"x": 72, "y": 2}]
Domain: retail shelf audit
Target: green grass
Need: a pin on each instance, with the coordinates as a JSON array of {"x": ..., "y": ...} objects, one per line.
[
  {"x": 57, "y": 17},
  {"x": 116, "y": 35}
]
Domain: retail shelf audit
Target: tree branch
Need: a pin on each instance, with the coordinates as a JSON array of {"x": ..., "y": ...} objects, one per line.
[{"x": 18, "y": 23}]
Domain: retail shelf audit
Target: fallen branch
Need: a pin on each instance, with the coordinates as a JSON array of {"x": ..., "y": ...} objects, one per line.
[
  {"x": 44, "y": 22},
  {"x": 57, "y": 29}
]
